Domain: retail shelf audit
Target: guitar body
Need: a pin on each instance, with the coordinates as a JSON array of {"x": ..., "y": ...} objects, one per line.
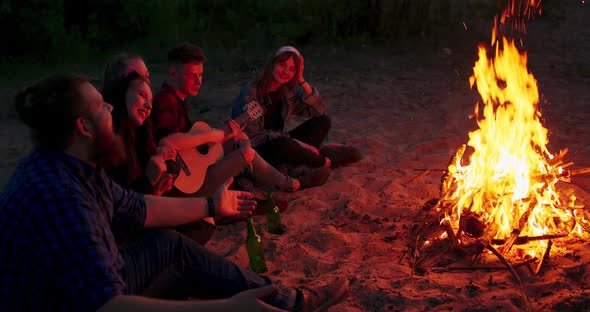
[
  {"x": 194, "y": 162},
  {"x": 198, "y": 160}
]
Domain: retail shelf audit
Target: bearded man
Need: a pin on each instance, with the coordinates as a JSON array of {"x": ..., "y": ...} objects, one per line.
[{"x": 59, "y": 216}]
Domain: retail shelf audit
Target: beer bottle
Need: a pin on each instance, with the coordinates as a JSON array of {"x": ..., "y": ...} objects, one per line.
[
  {"x": 255, "y": 249},
  {"x": 273, "y": 216}
]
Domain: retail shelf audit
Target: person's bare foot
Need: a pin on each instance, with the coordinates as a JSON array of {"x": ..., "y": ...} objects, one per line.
[{"x": 290, "y": 185}]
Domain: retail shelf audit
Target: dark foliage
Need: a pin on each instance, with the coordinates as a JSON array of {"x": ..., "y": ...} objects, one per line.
[{"x": 53, "y": 29}]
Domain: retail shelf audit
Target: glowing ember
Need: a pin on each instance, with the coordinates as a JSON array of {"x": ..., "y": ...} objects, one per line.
[{"x": 509, "y": 181}]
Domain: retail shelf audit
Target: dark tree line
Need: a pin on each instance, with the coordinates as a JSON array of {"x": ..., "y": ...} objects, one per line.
[{"x": 52, "y": 28}]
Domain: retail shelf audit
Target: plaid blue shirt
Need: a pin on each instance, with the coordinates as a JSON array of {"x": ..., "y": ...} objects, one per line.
[{"x": 57, "y": 250}]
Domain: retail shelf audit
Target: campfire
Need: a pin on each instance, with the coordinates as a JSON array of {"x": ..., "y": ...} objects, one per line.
[
  {"x": 507, "y": 188},
  {"x": 499, "y": 194},
  {"x": 505, "y": 193}
]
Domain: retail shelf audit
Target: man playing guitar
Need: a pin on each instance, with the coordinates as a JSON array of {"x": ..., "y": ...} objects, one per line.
[{"x": 173, "y": 127}]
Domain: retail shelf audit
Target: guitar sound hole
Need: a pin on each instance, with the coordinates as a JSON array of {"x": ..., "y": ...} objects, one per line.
[{"x": 203, "y": 149}]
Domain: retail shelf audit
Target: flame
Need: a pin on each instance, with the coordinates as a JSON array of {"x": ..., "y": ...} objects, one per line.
[{"x": 510, "y": 178}]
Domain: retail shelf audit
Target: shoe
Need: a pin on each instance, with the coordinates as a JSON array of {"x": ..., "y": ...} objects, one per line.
[
  {"x": 314, "y": 177},
  {"x": 321, "y": 298},
  {"x": 340, "y": 155}
]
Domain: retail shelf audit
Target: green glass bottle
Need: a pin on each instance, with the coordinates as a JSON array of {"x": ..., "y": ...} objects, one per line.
[
  {"x": 273, "y": 216},
  {"x": 255, "y": 249}
]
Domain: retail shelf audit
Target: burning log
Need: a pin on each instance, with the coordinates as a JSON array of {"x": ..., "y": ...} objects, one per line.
[
  {"x": 480, "y": 267},
  {"x": 545, "y": 257},
  {"x": 521, "y": 240},
  {"x": 471, "y": 224},
  {"x": 448, "y": 177},
  {"x": 555, "y": 161},
  {"x": 425, "y": 172},
  {"x": 580, "y": 219},
  {"x": 521, "y": 223},
  {"x": 430, "y": 169},
  {"x": 578, "y": 171},
  {"x": 519, "y": 282},
  {"x": 565, "y": 175},
  {"x": 449, "y": 229}
]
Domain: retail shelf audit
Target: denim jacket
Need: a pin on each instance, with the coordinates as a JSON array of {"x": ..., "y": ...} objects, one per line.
[{"x": 294, "y": 103}]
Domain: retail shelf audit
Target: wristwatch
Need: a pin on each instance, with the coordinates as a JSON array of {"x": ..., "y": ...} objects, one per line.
[{"x": 211, "y": 207}]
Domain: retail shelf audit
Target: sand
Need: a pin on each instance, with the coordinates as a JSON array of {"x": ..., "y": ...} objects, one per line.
[{"x": 407, "y": 108}]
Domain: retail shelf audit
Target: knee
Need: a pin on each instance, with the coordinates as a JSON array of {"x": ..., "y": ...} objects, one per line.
[
  {"x": 166, "y": 235},
  {"x": 286, "y": 144}
]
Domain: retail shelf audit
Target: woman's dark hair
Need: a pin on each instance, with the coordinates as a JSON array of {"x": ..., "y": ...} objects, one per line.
[
  {"x": 116, "y": 96},
  {"x": 264, "y": 77},
  {"x": 116, "y": 68},
  {"x": 50, "y": 108},
  {"x": 139, "y": 141}
]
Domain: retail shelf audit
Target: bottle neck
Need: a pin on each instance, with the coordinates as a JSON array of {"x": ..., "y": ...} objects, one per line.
[
  {"x": 250, "y": 228},
  {"x": 270, "y": 203}
]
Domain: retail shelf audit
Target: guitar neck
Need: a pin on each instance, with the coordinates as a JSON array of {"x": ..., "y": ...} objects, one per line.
[{"x": 240, "y": 120}]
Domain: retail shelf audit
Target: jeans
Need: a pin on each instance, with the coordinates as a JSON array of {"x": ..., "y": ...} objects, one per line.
[
  {"x": 166, "y": 264},
  {"x": 285, "y": 150}
]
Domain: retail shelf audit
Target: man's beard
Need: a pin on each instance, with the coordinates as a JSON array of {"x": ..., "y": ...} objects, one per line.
[{"x": 109, "y": 150}]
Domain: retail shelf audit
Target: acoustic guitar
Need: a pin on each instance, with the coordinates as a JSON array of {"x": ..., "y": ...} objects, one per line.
[{"x": 193, "y": 162}]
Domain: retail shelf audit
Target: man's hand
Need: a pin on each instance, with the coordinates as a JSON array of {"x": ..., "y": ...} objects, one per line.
[
  {"x": 248, "y": 300},
  {"x": 308, "y": 147},
  {"x": 167, "y": 152},
  {"x": 155, "y": 168},
  {"x": 233, "y": 203},
  {"x": 164, "y": 184},
  {"x": 237, "y": 132}
]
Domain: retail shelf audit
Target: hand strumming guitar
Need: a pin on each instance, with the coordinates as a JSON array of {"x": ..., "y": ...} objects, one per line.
[{"x": 237, "y": 133}]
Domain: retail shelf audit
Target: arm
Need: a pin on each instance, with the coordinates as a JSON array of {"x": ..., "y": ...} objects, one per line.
[
  {"x": 308, "y": 102},
  {"x": 245, "y": 301},
  {"x": 191, "y": 139},
  {"x": 254, "y": 128},
  {"x": 308, "y": 105},
  {"x": 69, "y": 247},
  {"x": 169, "y": 211}
]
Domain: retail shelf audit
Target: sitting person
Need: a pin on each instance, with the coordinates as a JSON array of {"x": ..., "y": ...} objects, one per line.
[
  {"x": 145, "y": 168},
  {"x": 283, "y": 91},
  {"x": 60, "y": 212},
  {"x": 173, "y": 127}
]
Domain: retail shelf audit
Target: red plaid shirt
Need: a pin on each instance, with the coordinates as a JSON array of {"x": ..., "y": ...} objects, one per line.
[{"x": 169, "y": 113}]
